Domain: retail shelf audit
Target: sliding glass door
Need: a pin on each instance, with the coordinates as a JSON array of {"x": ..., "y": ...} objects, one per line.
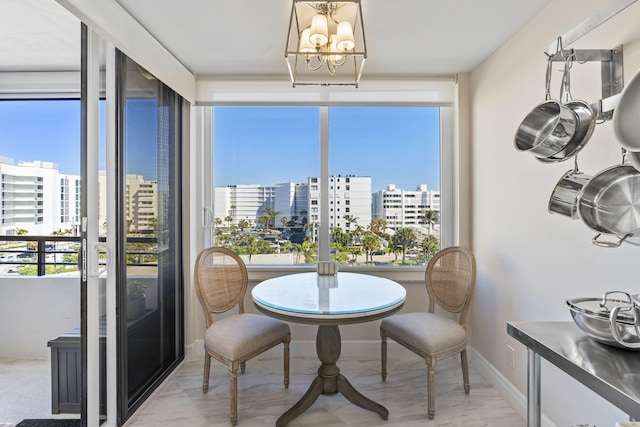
[{"x": 148, "y": 206}]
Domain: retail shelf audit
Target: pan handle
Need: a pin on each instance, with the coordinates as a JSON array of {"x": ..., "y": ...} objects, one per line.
[
  {"x": 613, "y": 316},
  {"x": 608, "y": 244}
]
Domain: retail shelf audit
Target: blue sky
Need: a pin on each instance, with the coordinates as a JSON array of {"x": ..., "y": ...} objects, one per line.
[
  {"x": 254, "y": 145},
  {"x": 41, "y": 130},
  {"x": 271, "y": 145}
]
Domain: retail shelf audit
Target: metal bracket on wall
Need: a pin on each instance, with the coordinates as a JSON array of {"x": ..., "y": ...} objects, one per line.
[{"x": 612, "y": 78}]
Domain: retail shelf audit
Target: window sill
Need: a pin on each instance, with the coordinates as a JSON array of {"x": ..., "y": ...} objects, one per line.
[{"x": 259, "y": 273}]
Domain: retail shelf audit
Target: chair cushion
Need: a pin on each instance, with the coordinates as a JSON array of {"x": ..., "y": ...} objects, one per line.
[
  {"x": 234, "y": 337},
  {"x": 430, "y": 333}
]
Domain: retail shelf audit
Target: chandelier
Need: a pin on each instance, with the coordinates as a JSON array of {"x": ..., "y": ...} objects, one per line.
[{"x": 326, "y": 44}]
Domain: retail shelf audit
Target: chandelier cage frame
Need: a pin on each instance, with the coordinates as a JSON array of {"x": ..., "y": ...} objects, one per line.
[{"x": 324, "y": 66}]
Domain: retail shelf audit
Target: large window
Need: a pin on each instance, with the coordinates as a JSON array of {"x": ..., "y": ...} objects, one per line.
[{"x": 383, "y": 194}]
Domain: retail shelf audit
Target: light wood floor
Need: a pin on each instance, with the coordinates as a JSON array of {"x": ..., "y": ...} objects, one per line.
[{"x": 262, "y": 398}]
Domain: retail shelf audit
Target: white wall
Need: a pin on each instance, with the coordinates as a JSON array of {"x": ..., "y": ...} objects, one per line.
[
  {"x": 34, "y": 311},
  {"x": 529, "y": 261}
]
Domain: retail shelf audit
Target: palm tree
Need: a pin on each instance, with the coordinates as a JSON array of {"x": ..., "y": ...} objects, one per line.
[
  {"x": 430, "y": 217},
  {"x": 370, "y": 242},
  {"x": 350, "y": 219},
  {"x": 284, "y": 221},
  {"x": 378, "y": 226},
  {"x": 430, "y": 246},
  {"x": 243, "y": 223},
  {"x": 271, "y": 214},
  {"x": 405, "y": 238},
  {"x": 229, "y": 220}
]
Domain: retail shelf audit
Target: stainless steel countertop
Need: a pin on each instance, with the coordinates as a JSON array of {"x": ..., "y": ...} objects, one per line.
[{"x": 612, "y": 373}]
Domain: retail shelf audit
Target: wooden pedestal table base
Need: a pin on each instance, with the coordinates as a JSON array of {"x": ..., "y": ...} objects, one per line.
[{"x": 329, "y": 380}]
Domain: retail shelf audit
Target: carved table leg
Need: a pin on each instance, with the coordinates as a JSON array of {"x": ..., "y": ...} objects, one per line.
[{"x": 329, "y": 380}]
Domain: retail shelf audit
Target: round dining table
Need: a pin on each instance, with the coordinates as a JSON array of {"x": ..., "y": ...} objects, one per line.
[{"x": 329, "y": 301}]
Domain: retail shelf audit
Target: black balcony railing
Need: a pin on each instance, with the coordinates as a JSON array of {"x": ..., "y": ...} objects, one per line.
[{"x": 18, "y": 252}]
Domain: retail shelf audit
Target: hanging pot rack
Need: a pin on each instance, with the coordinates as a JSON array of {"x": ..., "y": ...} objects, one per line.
[{"x": 611, "y": 74}]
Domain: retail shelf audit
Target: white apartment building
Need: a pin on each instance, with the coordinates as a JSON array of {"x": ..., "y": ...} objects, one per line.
[
  {"x": 349, "y": 199},
  {"x": 403, "y": 208},
  {"x": 36, "y": 197},
  {"x": 291, "y": 202},
  {"x": 141, "y": 203},
  {"x": 242, "y": 202},
  {"x": 350, "y": 196}
]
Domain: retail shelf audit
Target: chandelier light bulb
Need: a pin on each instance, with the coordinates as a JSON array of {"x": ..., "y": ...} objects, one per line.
[
  {"x": 306, "y": 45},
  {"x": 319, "y": 34},
  {"x": 345, "y": 39},
  {"x": 334, "y": 48}
]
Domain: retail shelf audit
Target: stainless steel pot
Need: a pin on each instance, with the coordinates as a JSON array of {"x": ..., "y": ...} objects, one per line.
[
  {"x": 610, "y": 203},
  {"x": 626, "y": 339},
  {"x": 564, "y": 198},
  {"x": 548, "y": 128},
  {"x": 585, "y": 126},
  {"x": 594, "y": 316}
]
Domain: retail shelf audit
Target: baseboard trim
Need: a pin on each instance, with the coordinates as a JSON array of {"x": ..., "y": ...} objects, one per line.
[{"x": 499, "y": 382}]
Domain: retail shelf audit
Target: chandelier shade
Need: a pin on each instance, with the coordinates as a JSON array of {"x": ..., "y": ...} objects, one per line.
[{"x": 326, "y": 43}]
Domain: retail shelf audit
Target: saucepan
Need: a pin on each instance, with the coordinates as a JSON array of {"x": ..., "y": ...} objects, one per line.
[
  {"x": 564, "y": 198},
  {"x": 549, "y": 127},
  {"x": 610, "y": 204}
]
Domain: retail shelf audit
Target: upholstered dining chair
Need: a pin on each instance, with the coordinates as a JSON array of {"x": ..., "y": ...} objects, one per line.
[
  {"x": 450, "y": 280},
  {"x": 221, "y": 283}
]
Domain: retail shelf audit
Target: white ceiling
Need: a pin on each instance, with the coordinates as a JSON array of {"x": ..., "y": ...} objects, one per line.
[{"x": 246, "y": 38}]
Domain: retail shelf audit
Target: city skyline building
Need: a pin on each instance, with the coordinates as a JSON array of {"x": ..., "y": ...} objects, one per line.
[
  {"x": 404, "y": 208},
  {"x": 38, "y": 198},
  {"x": 351, "y": 203}
]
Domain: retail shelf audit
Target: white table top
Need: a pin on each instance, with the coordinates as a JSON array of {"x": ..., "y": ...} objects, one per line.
[{"x": 330, "y": 298}]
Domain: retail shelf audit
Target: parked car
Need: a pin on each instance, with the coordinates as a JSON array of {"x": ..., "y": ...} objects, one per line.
[{"x": 377, "y": 252}]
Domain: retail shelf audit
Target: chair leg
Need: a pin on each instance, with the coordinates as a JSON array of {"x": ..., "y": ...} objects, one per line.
[
  {"x": 383, "y": 354},
  {"x": 233, "y": 392},
  {"x": 431, "y": 387},
  {"x": 465, "y": 370},
  {"x": 286, "y": 361},
  {"x": 207, "y": 367}
]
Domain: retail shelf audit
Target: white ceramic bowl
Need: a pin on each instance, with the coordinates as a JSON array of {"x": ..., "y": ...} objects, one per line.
[{"x": 626, "y": 116}]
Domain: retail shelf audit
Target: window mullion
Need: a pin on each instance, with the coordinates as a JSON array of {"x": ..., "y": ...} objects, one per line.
[{"x": 323, "y": 238}]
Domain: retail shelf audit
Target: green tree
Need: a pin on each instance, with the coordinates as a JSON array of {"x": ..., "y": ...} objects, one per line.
[
  {"x": 243, "y": 223},
  {"x": 430, "y": 217},
  {"x": 228, "y": 219},
  {"x": 310, "y": 251},
  {"x": 430, "y": 246},
  {"x": 404, "y": 238},
  {"x": 370, "y": 242},
  {"x": 378, "y": 226},
  {"x": 284, "y": 221}
]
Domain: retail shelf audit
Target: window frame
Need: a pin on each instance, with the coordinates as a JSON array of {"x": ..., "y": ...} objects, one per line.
[{"x": 432, "y": 93}]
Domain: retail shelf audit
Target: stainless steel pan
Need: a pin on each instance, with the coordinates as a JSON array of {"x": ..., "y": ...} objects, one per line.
[
  {"x": 585, "y": 124},
  {"x": 564, "y": 198},
  {"x": 610, "y": 203},
  {"x": 549, "y": 127}
]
